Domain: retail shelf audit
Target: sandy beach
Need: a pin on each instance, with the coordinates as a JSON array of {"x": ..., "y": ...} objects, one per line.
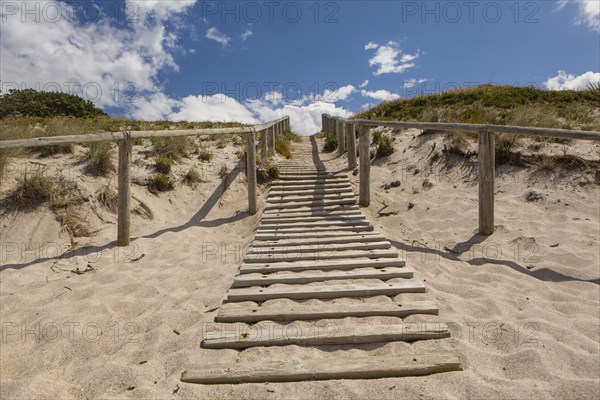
[{"x": 522, "y": 304}]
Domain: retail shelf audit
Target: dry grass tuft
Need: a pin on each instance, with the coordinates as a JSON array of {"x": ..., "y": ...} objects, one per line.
[{"x": 99, "y": 157}]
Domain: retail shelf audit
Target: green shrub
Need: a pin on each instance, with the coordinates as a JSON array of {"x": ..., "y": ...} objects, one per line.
[
  {"x": 331, "y": 143},
  {"x": 192, "y": 177},
  {"x": 205, "y": 155},
  {"x": 99, "y": 159},
  {"x": 386, "y": 147},
  {"x": 30, "y": 102},
  {"x": 163, "y": 165},
  {"x": 160, "y": 183}
]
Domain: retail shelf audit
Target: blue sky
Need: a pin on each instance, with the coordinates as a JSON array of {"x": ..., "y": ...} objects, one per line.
[{"x": 256, "y": 61}]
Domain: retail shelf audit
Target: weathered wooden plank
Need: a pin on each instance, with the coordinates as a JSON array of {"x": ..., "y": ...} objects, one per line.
[
  {"x": 351, "y": 140},
  {"x": 124, "y": 196},
  {"x": 300, "y": 224},
  {"x": 289, "y": 251},
  {"x": 354, "y": 238},
  {"x": 311, "y": 234},
  {"x": 313, "y": 210},
  {"x": 252, "y": 312},
  {"x": 308, "y": 198},
  {"x": 314, "y": 186},
  {"x": 486, "y": 183},
  {"x": 334, "y": 335},
  {"x": 365, "y": 167},
  {"x": 325, "y": 265},
  {"x": 295, "y": 370},
  {"x": 324, "y": 292},
  {"x": 313, "y": 203},
  {"x": 251, "y": 172},
  {"x": 313, "y": 218},
  {"x": 351, "y": 213},
  {"x": 248, "y": 280},
  {"x": 328, "y": 254},
  {"x": 356, "y": 228},
  {"x": 313, "y": 178},
  {"x": 311, "y": 192}
]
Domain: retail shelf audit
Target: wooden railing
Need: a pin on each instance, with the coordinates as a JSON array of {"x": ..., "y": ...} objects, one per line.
[
  {"x": 344, "y": 129},
  {"x": 268, "y": 134}
]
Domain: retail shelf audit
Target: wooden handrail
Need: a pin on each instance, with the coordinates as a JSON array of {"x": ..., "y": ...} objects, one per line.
[
  {"x": 486, "y": 158},
  {"x": 125, "y": 140}
]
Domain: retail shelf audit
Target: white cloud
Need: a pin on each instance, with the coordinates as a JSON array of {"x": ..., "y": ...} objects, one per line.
[
  {"x": 389, "y": 58},
  {"x": 246, "y": 35},
  {"x": 366, "y": 106},
  {"x": 214, "y": 34},
  {"x": 371, "y": 45},
  {"x": 564, "y": 81},
  {"x": 98, "y": 61},
  {"x": 410, "y": 83},
  {"x": 365, "y": 83},
  {"x": 339, "y": 94},
  {"x": 305, "y": 119},
  {"x": 589, "y": 12},
  {"x": 382, "y": 95},
  {"x": 217, "y": 107}
]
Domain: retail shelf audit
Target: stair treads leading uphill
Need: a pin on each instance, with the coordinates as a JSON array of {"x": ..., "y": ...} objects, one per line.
[
  {"x": 295, "y": 370},
  {"x": 250, "y": 312},
  {"x": 317, "y": 256},
  {"x": 278, "y": 335},
  {"x": 324, "y": 265},
  {"x": 314, "y": 262},
  {"x": 295, "y": 278},
  {"x": 302, "y": 292}
]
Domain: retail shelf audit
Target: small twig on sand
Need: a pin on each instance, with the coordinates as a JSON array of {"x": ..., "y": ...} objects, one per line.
[
  {"x": 136, "y": 259},
  {"x": 89, "y": 268}
]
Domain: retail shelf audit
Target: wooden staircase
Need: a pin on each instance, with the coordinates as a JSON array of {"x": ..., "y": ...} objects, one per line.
[{"x": 314, "y": 246}]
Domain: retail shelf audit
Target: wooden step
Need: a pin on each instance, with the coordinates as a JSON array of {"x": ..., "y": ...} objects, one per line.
[
  {"x": 252, "y": 312},
  {"x": 310, "y": 234},
  {"x": 313, "y": 219},
  {"x": 314, "y": 369},
  {"x": 311, "y": 204},
  {"x": 308, "y": 198},
  {"x": 313, "y": 210},
  {"x": 312, "y": 178},
  {"x": 322, "y": 265},
  {"x": 324, "y": 292},
  {"x": 320, "y": 256},
  {"x": 358, "y": 228},
  {"x": 316, "y": 248},
  {"x": 272, "y": 225},
  {"x": 291, "y": 278},
  {"x": 354, "y": 238},
  {"x": 335, "y": 335},
  {"x": 318, "y": 186},
  {"x": 311, "y": 192}
]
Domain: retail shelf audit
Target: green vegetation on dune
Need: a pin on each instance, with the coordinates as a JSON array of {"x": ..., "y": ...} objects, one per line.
[
  {"x": 31, "y": 103},
  {"x": 502, "y": 105}
]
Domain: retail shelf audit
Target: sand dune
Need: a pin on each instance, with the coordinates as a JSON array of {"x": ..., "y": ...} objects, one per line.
[{"x": 523, "y": 304}]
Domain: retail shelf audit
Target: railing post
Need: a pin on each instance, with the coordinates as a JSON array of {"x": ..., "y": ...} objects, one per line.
[
  {"x": 263, "y": 143},
  {"x": 251, "y": 171},
  {"x": 124, "y": 198},
  {"x": 271, "y": 140},
  {"x": 323, "y": 120},
  {"x": 365, "y": 167},
  {"x": 339, "y": 127},
  {"x": 351, "y": 141},
  {"x": 487, "y": 171}
]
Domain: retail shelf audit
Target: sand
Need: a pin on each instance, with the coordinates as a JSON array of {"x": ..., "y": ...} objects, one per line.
[{"x": 523, "y": 304}]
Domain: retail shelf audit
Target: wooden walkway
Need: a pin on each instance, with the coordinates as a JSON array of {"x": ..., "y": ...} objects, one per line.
[{"x": 313, "y": 246}]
